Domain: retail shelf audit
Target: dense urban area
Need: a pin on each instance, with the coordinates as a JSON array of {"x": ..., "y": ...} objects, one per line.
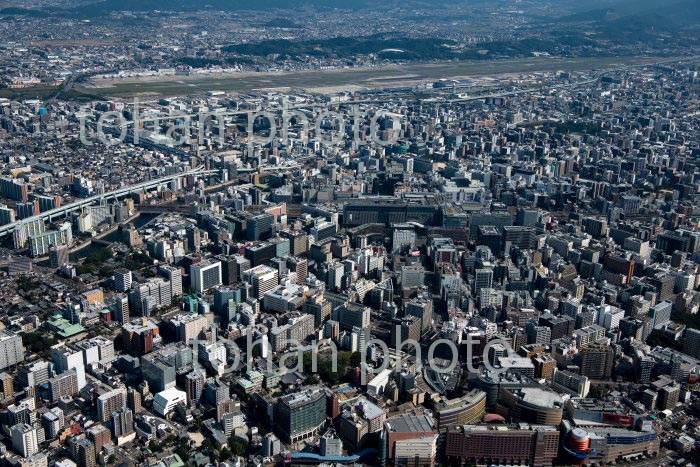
[{"x": 444, "y": 234}]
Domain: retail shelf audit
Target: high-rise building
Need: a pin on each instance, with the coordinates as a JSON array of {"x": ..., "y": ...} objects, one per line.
[
  {"x": 262, "y": 279},
  {"x": 421, "y": 307},
  {"x": 668, "y": 397},
  {"x": 483, "y": 279},
  {"x": 133, "y": 400},
  {"x": 59, "y": 255},
  {"x": 412, "y": 276},
  {"x": 205, "y": 275},
  {"x": 320, "y": 308},
  {"x": 150, "y": 294},
  {"x": 173, "y": 275},
  {"x": 122, "y": 279},
  {"x": 138, "y": 337},
  {"x": 63, "y": 385},
  {"x": 83, "y": 451},
  {"x": 53, "y": 422},
  {"x": 109, "y": 402},
  {"x": 597, "y": 361},
  {"x": 36, "y": 374},
  {"x": 6, "y": 386},
  {"x": 11, "y": 349},
  {"x": 188, "y": 327},
  {"x": 299, "y": 266},
  {"x": 99, "y": 435},
  {"x": 691, "y": 342},
  {"x": 25, "y": 439},
  {"x": 122, "y": 422},
  {"x": 302, "y": 414},
  {"x": 121, "y": 309},
  {"x": 259, "y": 227},
  {"x": 67, "y": 358},
  {"x": 352, "y": 315},
  {"x": 194, "y": 384}
]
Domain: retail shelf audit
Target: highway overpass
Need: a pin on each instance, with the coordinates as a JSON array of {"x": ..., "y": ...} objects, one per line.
[{"x": 77, "y": 205}]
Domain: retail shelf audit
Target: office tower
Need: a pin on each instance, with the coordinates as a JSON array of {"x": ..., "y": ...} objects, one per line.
[
  {"x": 668, "y": 397},
  {"x": 570, "y": 383},
  {"x": 133, "y": 400},
  {"x": 271, "y": 445},
  {"x": 261, "y": 254},
  {"x": 409, "y": 438},
  {"x": 406, "y": 328},
  {"x": 352, "y": 315},
  {"x": 194, "y": 384},
  {"x": 524, "y": 238},
  {"x": 99, "y": 435},
  {"x": 527, "y": 217},
  {"x": 11, "y": 349},
  {"x": 188, "y": 327},
  {"x": 121, "y": 309},
  {"x": 53, "y": 422},
  {"x": 109, "y": 402},
  {"x": 661, "y": 313},
  {"x": 319, "y": 307},
  {"x": 83, "y": 452},
  {"x": 403, "y": 235},
  {"x": 259, "y": 227},
  {"x": 36, "y": 374},
  {"x": 59, "y": 256},
  {"x": 194, "y": 238},
  {"x": 6, "y": 385},
  {"x": 242, "y": 265},
  {"x": 597, "y": 361},
  {"x": 67, "y": 358},
  {"x": 63, "y": 385},
  {"x": 25, "y": 439},
  {"x": 122, "y": 422},
  {"x": 323, "y": 230},
  {"x": 122, "y": 279},
  {"x": 161, "y": 366},
  {"x": 228, "y": 269},
  {"x": 490, "y": 236},
  {"x": 302, "y": 414},
  {"x": 483, "y": 279},
  {"x": 150, "y": 294},
  {"x": 138, "y": 337},
  {"x": 174, "y": 276},
  {"x": 298, "y": 241},
  {"x": 215, "y": 391},
  {"x": 205, "y": 275},
  {"x": 523, "y": 444},
  {"x": 263, "y": 279},
  {"x": 421, "y": 307},
  {"x": 691, "y": 343},
  {"x": 299, "y": 266},
  {"x": 412, "y": 277}
]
